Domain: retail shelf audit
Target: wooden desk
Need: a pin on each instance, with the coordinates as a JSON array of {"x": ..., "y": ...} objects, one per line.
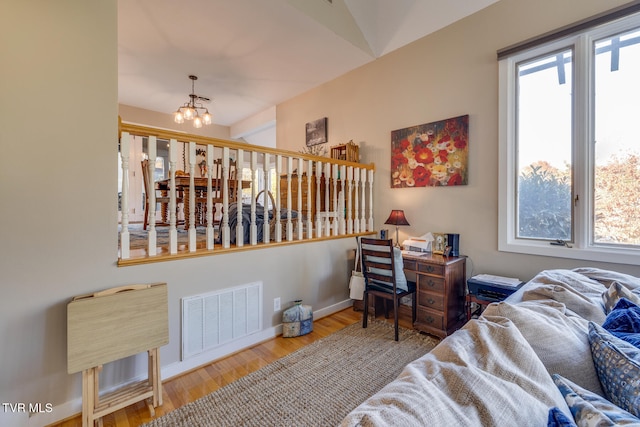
[
  {"x": 200, "y": 185},
  {"x": 440, "y": 296}
]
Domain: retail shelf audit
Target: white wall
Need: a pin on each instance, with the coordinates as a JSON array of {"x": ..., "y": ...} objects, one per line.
[
  {"x": 58, "y": 215},
  {"x": 450, "y": 73}
]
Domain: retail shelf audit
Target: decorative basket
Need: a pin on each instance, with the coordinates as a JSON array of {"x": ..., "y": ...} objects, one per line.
[{"x": 297, "y": 320}]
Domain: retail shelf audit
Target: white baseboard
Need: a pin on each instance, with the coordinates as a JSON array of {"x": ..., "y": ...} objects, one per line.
[{"x": 73, "y": 407}]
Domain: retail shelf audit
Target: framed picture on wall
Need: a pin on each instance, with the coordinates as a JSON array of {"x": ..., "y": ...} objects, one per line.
[
  {"x": 316, "y": 132},
  {"x": 431, "y": 155}
]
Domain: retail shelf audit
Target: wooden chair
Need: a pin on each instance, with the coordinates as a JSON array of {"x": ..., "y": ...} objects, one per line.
[
  {"x": 146, "y": 176},
  {"x": 382, "y": 267}
]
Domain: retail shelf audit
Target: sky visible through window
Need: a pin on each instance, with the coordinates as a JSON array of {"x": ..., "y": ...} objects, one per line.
[{"x": 544, "y": 117}]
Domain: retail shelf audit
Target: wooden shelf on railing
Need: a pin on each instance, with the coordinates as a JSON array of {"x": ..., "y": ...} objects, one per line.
[{"x": 349, "y": 152}]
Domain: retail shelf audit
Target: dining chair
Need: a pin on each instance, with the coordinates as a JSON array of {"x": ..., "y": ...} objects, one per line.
[
  {"x": 162, "y": 199},
  {"x": 383, "y": 270}
]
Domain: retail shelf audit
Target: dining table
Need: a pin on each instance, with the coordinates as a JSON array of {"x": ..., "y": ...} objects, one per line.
[{"x": 200, "y": 185}]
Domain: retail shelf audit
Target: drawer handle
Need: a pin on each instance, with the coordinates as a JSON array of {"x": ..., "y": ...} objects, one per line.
[
  {"x": 429, "y": 319},
  {"x": 430, "y": 269},
  {"x": 431, "y": 301},
  {"x": 431, "y": 283}
]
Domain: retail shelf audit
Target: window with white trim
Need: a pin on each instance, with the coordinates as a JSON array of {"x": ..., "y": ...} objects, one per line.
[{"x": 570, "y": 145}]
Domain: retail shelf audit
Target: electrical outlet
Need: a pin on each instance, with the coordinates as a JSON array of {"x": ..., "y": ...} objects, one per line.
[{"x": 276, "y": 304}]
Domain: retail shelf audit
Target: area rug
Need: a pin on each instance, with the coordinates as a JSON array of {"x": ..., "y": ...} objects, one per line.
[{"x": 317, "y": 385}]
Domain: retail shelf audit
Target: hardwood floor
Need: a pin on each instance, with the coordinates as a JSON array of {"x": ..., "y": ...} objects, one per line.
[{"x": 192, "y": 385}]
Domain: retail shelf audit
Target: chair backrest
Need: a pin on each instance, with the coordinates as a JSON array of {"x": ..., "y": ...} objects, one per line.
[
  {"x": 232, "y": 183},
  {"x": 145, "y": 177},
  {"x": 382, "y": 264},
  {"x": 377, "y": 262}
]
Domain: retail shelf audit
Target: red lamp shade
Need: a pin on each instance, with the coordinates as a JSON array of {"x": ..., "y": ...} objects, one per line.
[{"x": 397, "y": 218}]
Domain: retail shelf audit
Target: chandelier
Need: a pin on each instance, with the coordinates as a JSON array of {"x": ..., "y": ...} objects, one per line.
[{"x": 191, "y": 110}]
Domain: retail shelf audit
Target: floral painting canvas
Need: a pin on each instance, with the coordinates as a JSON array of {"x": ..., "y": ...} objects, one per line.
[{"x": 430, "y": 155}]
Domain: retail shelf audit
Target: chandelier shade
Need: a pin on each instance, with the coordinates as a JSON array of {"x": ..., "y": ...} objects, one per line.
[{"x": 191, "y": 109}]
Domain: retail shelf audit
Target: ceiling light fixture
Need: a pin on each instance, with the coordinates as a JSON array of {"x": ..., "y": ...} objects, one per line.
[{"x": 191, "y": 109}]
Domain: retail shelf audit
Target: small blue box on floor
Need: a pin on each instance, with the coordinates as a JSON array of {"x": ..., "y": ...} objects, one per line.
[
  {"x": 297, "y": 320},
  {"x": 492, "y": 288}
]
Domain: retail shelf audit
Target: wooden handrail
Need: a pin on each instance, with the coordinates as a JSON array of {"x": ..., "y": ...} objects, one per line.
[{"x": 138, "y": 130}]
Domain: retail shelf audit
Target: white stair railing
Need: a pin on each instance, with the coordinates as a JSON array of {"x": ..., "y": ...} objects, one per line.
[{"x": 332, "y": 197}]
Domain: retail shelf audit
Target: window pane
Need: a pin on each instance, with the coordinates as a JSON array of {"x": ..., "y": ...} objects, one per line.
[
  {"x": 544, "y": 138},
  {"x": 617, "y": 161}
]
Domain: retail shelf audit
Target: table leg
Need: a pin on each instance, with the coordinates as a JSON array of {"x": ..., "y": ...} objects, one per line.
[{"x": 164, "y": 208}]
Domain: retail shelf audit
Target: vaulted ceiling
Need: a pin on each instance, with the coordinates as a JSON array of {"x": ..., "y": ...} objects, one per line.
[{"x": 250, "y": 55}]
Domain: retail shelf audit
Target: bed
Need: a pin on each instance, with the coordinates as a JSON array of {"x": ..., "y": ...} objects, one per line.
[{"x": 541, "y": 357}]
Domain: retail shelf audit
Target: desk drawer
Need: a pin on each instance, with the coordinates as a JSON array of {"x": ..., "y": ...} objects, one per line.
[
  {"x": 430, "y": 300},
  {"x": 429, "y": 318},
  {"x": 409, "y": 265},
  {"x": 431, "y": 284},
  {"x": 435, "y": 269}
]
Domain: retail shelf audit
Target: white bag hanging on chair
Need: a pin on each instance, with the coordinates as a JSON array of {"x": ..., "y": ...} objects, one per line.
[{"x": 356, "y": 283}]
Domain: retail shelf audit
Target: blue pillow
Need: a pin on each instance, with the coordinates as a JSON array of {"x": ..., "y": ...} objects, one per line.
[
  {"x": 617, "y": 364},
  {"x": 557, "y": 418},
  {"x": 624, "y": 321},
  {"x": 589, "y": 408}
]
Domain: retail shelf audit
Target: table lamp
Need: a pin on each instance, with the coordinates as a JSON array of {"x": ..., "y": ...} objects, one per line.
[{"x": 397, "y": 218}]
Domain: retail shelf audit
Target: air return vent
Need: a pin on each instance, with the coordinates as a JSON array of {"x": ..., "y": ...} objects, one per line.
[{"x": 216, "y": 318}]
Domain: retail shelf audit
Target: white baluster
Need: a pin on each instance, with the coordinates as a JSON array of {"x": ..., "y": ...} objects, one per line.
[
  {"x": 210, "y": 230},
  {"x": 319, "y": 223},
  {"x": 349, "y": 177},
  {"x": 356, "y": 207},
  {"x": 192, "y": 197},
  {"x": 225, "y": 229},
  {"x": 253, "y": 230},
  {"x": 151, "y": 165},
  {"x": 289, "y": 202},
  {"x": 173, "y": 231},
  {"x": 336, "y": 221},
  {"x": 224, "y": 187},
  {"x": 309, "y": 199},
  {"x": 370, "y": 225},
  {"x": 363, "y": 179},
  {"x": 299, "y": 208},
  {"x": 327, "y": 194},
  {"x": 125, "y": 249},
  {"x": 266, "y": 232},
  {"x": 278, "y": 198}
]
